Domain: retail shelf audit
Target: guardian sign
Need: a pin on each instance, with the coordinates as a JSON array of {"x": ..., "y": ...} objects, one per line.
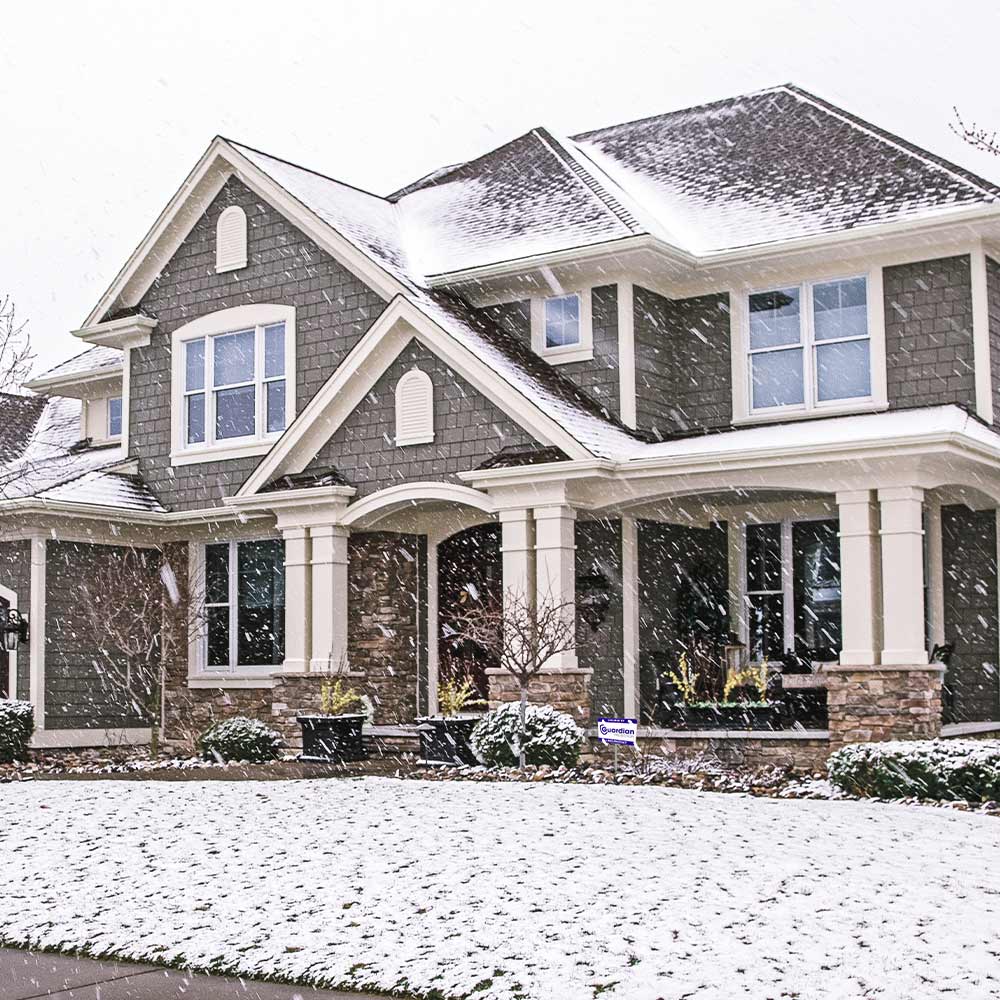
[{"x": 618, "y": 732}]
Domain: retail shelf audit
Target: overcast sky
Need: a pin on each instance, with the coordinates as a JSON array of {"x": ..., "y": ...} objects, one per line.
[{"x": 105, "y": 106}]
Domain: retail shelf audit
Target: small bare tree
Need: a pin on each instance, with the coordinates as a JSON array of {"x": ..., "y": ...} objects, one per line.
[
  {"x": 141, "y": 616},
  {"x": 15, "y": 347},
  {"x": 520, "y": 635},
  {"x": 979, "y": 138}
]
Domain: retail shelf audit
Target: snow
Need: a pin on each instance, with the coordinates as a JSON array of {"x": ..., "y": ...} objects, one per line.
[
  {"x": 95, "y": 360},
  {"x": 509, "y": 890}
]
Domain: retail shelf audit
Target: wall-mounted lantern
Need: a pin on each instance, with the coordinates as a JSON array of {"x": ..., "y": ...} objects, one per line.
[
  {"x": 14, "y": 629},
  {"x": 593, "y": 597}
]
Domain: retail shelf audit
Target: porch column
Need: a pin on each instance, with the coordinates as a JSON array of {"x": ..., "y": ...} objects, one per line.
[
  {"x": 433, "y": 627},
  {"x": 902, "y": 535},
  {"x": 555, "y": 567},
  {"x": 298, "y": 600},
  {"x": 517, "y": 547},
  {"x": 329, "y": 598},
  {"x": 861, "y": 610}
]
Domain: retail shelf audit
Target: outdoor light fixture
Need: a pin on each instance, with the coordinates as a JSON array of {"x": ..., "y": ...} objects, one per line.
[
  {"x": 593, "y": 595},
  {"x": 14, "y": 627}
]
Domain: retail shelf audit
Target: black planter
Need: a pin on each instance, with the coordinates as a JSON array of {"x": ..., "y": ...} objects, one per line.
[
  {"x": 332, "y": 737},
  {"x": 446, "y": 741},
  {"x": 745, "y": 717}
]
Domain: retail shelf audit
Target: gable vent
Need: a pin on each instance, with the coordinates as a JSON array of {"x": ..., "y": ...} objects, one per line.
[
  {"x": 231, "y": 240},
  {"x": 414, "y": 408}
]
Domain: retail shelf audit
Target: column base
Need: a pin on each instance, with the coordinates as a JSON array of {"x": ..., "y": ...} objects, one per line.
[{"x": 567, "y": 690}]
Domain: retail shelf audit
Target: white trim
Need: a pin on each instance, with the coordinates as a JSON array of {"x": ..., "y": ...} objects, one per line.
[
  {"x": 11, "y": 598},
  {"x": 433, "y": 627},
  {"x": 230, "y": 682},
  {"x": 61, "y": 385},
  {"x": 935, "y": 570},
  {"x": 969, "y": 729},
  {"x": 981, "y": 334},
  {"x": 626, "y": 353},
  {"x": 70, "y": 738},
  {"x": 36, "y": 631},
  {"x": 630, "y": 616},
  {"x": 126, "y": 397},
  {"x": 583, "y": 350},
  {"x": 206, "y": 327},
  {"x": 231, "y": 240},
  {"x": 410, "y": 494},
  {"x": 414, "y": 426},
  {"x": 128, "y": 331},
  {"x": 400, "y": 323}
]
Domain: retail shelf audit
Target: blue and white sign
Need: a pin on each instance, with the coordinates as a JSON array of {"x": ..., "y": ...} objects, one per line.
[{"x": 621, "y": 732}]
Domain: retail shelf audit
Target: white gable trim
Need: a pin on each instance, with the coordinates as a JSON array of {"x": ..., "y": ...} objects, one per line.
[
  {"x": 400, "y": 323},
  {"x": 219, "y": 162}
]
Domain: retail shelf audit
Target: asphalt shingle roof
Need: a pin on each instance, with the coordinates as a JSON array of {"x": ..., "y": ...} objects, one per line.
[{"x": 93, "y": 361}]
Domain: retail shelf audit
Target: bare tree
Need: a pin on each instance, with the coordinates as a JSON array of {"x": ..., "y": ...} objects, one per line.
[
  {"x": 15, "y": 347},
  {"x": 520, "y": 635},
  {"x": 139, "y": 612},
  {"x": 977, "y": 137}
]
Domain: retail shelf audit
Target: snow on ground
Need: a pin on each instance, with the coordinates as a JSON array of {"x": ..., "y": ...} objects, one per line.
[{"x": 554, "y": 892}]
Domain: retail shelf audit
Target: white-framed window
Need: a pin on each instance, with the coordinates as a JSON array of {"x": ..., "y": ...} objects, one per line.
[
  {"x": 115, "y": 417},
  {"x": 562, "y": 327},
  {"x": 244, "y": 599},
  {"x": 231, "y": 240},
  {"x": 233, "y": 382},
  {"x": 414, "y": 408},
  {"x": 810, "y": 348}
]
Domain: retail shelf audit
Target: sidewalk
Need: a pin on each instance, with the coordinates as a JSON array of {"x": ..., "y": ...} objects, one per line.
[{"x": 29, "y": 975}]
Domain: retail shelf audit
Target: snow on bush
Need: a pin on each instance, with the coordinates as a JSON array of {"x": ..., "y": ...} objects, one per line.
[
  {"x": 551, "y": 737},
  {"x": 17, "y": 723},
  {"x": 240, "y": 738},
  {"x": 927, "y": 769}
]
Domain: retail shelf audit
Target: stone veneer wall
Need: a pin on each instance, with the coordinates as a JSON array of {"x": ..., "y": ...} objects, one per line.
[
  {"x": 568, "y": 691},
  {"x": 796, "y": 753},
  {"x": 883, "y": 704}
]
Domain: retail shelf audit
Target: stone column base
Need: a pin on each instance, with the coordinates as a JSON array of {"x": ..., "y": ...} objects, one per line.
[
  {"x": 566, "y": 690},
  {"x": 883, "y": 702}
]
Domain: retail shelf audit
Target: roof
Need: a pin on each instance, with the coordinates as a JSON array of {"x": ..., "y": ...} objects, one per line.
[
  {"x": 20, "y": 415},
  {"x": 94, "y": 362}
]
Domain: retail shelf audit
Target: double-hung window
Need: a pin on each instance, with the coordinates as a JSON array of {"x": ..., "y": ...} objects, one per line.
[
  {"x": 115, "y": 417},
  {"x": 562, "y": 327},
  {"x": 244, "y": 606},
  {"x": 809, "y": 346}
]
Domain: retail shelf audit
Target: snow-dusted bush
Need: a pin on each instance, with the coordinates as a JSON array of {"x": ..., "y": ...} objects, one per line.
[
  {"x": 551, "y": 737},
  {"x": 927, "y": 769},
  {"x": 17, "y": 723},
  {"x": 240, "y": 738}
]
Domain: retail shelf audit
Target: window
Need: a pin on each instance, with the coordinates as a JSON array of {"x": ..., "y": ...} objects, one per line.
[
  {"x": 793, "y": 590},
  {"x": 561, "y": 327},
  {"x": 231, "y": 240},
  {"x": 235, "y": 385},
  {"x": 562, "y": 321},
  {"x": 414, "y": 408},
  {"x": 115, "y": 417},
  {"x": 244, "y": 605},
  {"x": 809, "y": 346}
]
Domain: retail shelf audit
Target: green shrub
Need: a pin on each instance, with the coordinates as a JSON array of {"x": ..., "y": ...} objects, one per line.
[
  {"x": 551, "y": 737},
  {"x": 17, "y": 723},
  {"x": 926, "y": 769},
  {"x": 240, "y": 738}
]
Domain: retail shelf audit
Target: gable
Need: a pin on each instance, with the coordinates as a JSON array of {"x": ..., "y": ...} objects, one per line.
[{"x": 469, "y": 429}]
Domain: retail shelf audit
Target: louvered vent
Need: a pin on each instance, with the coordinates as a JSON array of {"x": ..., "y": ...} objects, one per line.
[
  {"x": 231, "y": 240},
  {"x": 414, "y": 408}
]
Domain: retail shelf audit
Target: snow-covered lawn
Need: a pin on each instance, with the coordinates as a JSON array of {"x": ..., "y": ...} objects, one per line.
[{"x": 554, "y": 892}]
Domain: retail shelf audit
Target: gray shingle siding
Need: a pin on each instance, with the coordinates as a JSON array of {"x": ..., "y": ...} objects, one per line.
[
  {"x": 15, "y": 575},
  {"x": 928, "y": 334},
  {"x": 333, "y": 310},
  {"x": 683, "y": 370},
  {"x": 993, "y": 303},
  {"x": 78, "y": 693},
  {"x": 468, "y": 429}
]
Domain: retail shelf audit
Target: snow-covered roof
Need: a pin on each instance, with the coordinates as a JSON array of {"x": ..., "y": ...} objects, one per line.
[{"x": 94, "y": 362}]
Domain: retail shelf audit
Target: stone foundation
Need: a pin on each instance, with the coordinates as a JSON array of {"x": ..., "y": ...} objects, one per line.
[
  {"x": 798, "y": 753},
  {"x": 883, "y": 703},
  {"x": 568, "y": 691}
]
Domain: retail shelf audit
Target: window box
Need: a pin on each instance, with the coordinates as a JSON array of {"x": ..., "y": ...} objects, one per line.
[
  {"x": 446, "y": 740},
  {"x": 337, "y": 738}
]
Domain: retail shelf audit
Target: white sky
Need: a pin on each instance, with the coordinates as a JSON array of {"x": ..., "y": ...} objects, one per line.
[{"x": 105, "y": 106}]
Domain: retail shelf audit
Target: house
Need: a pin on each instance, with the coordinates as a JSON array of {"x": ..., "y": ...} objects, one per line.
[{"x": 735, "y": 366}]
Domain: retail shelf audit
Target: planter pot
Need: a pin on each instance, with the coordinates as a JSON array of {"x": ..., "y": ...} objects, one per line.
[
  {"x": 753, "y": 717},
  {"x": 446, "y": 741},
  {"x": 332, "y": 737}
]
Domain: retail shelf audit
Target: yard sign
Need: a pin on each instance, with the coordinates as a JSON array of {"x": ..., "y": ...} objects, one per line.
[{"x": 619, "y": 732}]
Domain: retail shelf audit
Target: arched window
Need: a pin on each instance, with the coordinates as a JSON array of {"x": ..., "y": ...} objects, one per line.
[
  {"x": 231, "y": 240},
  {"x": 414, "y": 408}
]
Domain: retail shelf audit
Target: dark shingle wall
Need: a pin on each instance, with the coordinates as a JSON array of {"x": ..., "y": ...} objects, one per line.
[
  {"x": 468, "y": 429},
  {"x": 928, "y": 334},
  {"x": 15, "y": 575},
  {"x": 333, "y": 310}
]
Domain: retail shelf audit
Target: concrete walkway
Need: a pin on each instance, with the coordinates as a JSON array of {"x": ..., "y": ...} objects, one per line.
[{"x": 26, "y": 975}]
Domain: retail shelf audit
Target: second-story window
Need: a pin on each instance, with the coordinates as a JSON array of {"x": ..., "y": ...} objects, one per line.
[
  {"x": 809, "y": 345},
  {"x": 234, "y": 385},
  {"x": 562, "y": 327},
  {"x": 562, "y": 321},
  {"x": 115, "y": 417}
]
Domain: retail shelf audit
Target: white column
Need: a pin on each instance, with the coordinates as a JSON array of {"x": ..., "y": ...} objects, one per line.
[
  {"x": 626, "y": 354},
  {"x": 861, "y": 602},
  {"x": 902, "y": 535},
  {"x": 433, "y": 627},
  {"x": 517, "y": 546},
  {"x": 630, "y": 615},
  {"x": 935, "y": 572},
  {"x": 298, "y": 599},
  {"x": 36, "y": 632},
  {"x": 737, "y": 565},
  {"x": 555, "y": 567},
  {"x": 329, "y": 597}
]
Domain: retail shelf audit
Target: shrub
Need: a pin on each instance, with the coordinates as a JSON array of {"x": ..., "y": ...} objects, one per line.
[
  {"x": 927, "y": 769},
  {"x": 239, "y": 739},
  {"x": 17, "y": 723},
  {"x": 551, "y": 737}
]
